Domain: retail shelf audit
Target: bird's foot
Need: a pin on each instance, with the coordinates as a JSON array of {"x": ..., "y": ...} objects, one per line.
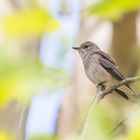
[{"x": 101, "y": 85}]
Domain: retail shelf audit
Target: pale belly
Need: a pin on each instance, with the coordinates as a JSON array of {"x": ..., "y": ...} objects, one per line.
[{"x": 97, "y": 74}]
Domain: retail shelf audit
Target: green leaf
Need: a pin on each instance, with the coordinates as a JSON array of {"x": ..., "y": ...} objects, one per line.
[
  {"x": 21, "y": 78},
  {"x": 111, "y": 9}
]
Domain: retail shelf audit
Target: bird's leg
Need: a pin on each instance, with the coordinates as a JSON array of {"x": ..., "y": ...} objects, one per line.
[{"x": 101, "y": 85}]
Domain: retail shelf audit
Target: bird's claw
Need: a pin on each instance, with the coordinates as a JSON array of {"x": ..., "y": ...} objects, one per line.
[{"x": 101, "y": 85}]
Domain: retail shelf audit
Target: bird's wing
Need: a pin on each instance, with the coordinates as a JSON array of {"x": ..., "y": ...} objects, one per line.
[
  {"x": 110, "y": 66},
  {"x": 109, "y": 58}
]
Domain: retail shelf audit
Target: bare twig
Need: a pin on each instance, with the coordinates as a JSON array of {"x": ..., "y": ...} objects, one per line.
[
  {"x": 135, "y": 108},
  {"x": 121, "y": 83},
  {"x": 93, "y": 104},
  {"x": 102, "y": 93}
]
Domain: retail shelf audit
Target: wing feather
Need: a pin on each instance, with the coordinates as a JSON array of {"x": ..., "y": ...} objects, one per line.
[{"x": 110, "y": 66}]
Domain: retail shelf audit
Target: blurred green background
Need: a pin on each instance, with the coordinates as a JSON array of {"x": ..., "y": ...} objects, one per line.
[{"x": 44, "y": 93}]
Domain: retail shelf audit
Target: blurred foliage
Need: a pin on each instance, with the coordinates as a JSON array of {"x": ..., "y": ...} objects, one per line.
[
  {"x": 112, "y": 9},
  {"x": 133, "y": 125},
  {"x": 101, "y": 122},
  {"x": 29, "y": 22},
  {"x": 99, "y": 125},
  {"x": 134, "y": 134},
  {"x": 23, "y": 76},
  {"x": 5, "y": 136}
]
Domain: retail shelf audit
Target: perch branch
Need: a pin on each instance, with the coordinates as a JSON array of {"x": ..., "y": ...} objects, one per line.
[
  {"x": 101, "y": 93},
  {"x": 121, "y": 83}
]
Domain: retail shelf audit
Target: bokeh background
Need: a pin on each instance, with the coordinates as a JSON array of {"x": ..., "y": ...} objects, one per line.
[{"x": 44, "y": 93}]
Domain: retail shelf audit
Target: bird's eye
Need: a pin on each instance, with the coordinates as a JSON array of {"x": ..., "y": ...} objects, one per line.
[{"x": 86, "y": 46}]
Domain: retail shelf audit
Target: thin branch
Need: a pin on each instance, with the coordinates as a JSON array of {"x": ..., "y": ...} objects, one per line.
[
  {"x": 121, "y": 83},
  {"x": 94, "y": 103},
  {"x": 85, "y": 117},
  {"x": 101, "y": 93},
  {"x": 135, "y": 108}
]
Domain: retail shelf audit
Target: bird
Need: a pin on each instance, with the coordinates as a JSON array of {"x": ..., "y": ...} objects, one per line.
[{"x": 101, "y": 68}]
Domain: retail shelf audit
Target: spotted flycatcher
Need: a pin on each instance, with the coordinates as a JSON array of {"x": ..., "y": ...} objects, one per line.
[{"x": 101, "y": 68}]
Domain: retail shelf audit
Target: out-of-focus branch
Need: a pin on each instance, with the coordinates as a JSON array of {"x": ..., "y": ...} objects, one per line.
[
  {"x": 124, "y": 44},
  {"x": 101, "y": 93}
]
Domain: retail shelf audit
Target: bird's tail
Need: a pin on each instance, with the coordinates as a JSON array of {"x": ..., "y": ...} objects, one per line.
[
  {"x": 133, "y": 92},
  {"x": 120, "y": 92}
]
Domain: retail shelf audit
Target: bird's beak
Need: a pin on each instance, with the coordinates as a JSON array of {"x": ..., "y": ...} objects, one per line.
[{"x": 76, "y": 48}]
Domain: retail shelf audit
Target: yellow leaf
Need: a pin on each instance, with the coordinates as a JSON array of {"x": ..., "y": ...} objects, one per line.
[
  {"x": 134, "y": 134},
  {"x": 23, "y": 80},
  {"x": 5, "y": 136},
  {"x": 34, "y": 21}
]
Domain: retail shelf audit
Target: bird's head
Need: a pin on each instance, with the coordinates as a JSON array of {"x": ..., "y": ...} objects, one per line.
[{"x": 86, "y": 48}]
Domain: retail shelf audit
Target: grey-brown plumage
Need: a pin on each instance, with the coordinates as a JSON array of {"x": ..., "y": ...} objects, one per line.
[{"x": 100, "y": 67}]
